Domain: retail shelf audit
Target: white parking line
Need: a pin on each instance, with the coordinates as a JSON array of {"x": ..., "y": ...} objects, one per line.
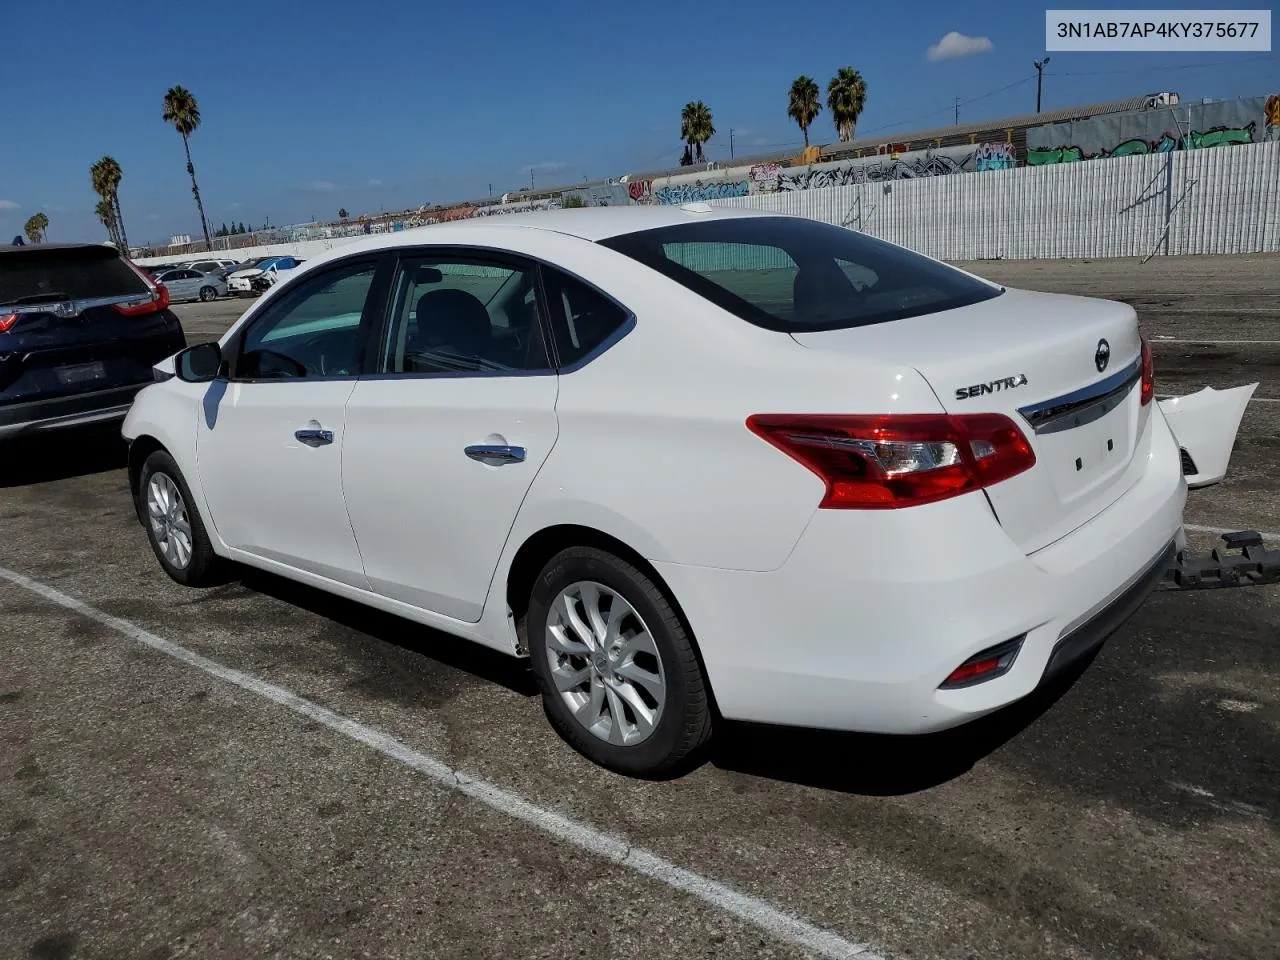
[
  {"x": 1196, "y": 528},
  {"x": 615, "y": 849}
]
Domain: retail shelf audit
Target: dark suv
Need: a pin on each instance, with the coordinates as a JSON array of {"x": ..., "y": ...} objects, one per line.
[{"x": 80, "y": 330}]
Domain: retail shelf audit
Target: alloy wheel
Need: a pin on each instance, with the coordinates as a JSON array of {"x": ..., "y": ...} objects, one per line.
[
  {"x": 170, "y": 524},
  {"x": 604, "y": 663}
]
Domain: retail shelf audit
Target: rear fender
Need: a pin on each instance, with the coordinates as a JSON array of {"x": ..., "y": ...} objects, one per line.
[{"x": 1205, "y": 425}]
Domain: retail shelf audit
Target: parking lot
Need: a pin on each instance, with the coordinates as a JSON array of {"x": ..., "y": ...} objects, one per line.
[{"x": 212, "y": 773}]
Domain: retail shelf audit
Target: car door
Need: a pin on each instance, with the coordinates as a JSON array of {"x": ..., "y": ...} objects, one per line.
[
  {"x": 176, "y": 282},
  {"x": 444, "y": 440},
  {"x": 271, "y": 434}
]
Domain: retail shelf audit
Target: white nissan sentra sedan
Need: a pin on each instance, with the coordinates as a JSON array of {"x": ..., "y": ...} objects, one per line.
[{"x": 694, "y": 464}]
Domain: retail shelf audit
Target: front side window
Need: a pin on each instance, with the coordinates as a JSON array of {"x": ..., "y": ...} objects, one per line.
[
  {"x": 313, "y": 330},
  {"x": 455, "y": 315},
  {"x": 798, "y": 275}
]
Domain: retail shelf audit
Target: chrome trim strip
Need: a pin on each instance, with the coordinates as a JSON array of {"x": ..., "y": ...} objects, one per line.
[
  {"x": 73, "y": 308},
  {"x": 1091, "y": 402}
]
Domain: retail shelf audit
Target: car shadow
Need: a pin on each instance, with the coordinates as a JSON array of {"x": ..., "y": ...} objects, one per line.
[
  {"x": 880, "y": 765},
  {"x": 471, "y": 658},
  {"x": 61, "y": 455}
]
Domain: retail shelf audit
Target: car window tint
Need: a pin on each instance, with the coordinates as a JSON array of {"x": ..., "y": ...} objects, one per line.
[
  {"x": 762, "y": 274},
  {"x": 798, "y": 275},
  {"x": 39, "y": 272},
  {"x": 581, "y": 316},
  {"x": 464, "y": 316},
  {"x": 312, "y": 331}
]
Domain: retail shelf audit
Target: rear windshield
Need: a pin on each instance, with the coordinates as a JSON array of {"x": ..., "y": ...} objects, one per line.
[
  {"x": 798, "y": 275},
  {"x": 37, "y": 275}
]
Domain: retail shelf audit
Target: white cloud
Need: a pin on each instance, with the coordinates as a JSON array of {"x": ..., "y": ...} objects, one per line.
[
  {"x": 375, "y": 182},
  {"x": 319, "y": 186},
  {"x": 958, "y": 45},
  {"x": 8, "y": 205}
]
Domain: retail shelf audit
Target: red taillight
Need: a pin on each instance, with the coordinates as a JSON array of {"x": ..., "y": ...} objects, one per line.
[
  {"x": 159, "y": 295},
  {"x": 7, "y": 321},
  {"x": 1148, "y": 373},
  {"x": 884, "y": 462}
]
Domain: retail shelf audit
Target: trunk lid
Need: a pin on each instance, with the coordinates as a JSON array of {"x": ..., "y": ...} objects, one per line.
[{"x": 1065, "y": 369}]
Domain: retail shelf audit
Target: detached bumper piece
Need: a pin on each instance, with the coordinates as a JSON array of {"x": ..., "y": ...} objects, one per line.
[{"x": 1254, "y": 564}]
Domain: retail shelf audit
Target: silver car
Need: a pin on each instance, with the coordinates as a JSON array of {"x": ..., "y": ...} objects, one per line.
[{"x": 188, "y": 284}]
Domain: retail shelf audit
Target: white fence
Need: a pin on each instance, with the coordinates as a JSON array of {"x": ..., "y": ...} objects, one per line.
[{"x": 1221, "y": 200}]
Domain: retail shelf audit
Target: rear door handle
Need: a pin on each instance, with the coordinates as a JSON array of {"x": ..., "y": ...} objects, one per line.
[
  {"x": 495, "y": 454},
  {"x": 314, "y": 438}
]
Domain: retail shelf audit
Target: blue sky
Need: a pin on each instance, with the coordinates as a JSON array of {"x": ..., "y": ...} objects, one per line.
[{"x": 311, "y": 107}]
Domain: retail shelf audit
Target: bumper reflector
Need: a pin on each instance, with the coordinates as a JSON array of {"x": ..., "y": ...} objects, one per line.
[{"x": 987, "y": 665}]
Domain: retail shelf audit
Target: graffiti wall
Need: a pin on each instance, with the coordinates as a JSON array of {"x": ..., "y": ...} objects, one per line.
[
  {"x": 1194, "y": 126},
  {"x": 601, "y": 195},
  {"x": 701, "y": 190},
  {"x": 1189, "y": 202},
  {"x": 967, "y": 158}
]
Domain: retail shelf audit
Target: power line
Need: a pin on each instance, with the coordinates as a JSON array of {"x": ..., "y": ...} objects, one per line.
[
  {"x": 1150, "y": 70},
  {"x": 945, "y": 110}
]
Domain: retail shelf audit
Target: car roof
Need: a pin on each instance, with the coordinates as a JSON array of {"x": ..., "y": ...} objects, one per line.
[
  {"x": 27, "y": 248},
  {"x": 600, "y": 223},
  {"x": 586, "y": 223}
]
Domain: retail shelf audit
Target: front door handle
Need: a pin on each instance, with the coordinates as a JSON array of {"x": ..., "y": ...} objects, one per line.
[
  {"x": 495, "y": 454},
  {"x": 314, "y": 438}
]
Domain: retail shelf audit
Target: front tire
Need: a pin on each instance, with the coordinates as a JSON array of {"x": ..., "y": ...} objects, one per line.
[
  {"x": 619, "y": 676},
  {"x": 174, "y": 526},
  {"x": 207, "y": 294}
]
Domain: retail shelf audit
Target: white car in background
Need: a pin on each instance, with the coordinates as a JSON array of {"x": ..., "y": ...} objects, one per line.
[
  {"x": 685, "y": 463},
  {"x": 253, "y": 276}
]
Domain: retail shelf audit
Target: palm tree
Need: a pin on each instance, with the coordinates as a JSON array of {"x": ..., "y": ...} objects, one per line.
[
  {"x": 36, "y": 226},
  {"x": 105, "y": 175},
  {"x": 181, "y": 110},
  {"x": 114, "y": 175},
  {"x": 342, "y": 214},
  {"x": 107, "y": 217},
  {"x": 803, "y": 104},
  {"x": 105, "y": 209},
  {"x": 696, "y": 128},
  {"x": 846, "y": 96}
]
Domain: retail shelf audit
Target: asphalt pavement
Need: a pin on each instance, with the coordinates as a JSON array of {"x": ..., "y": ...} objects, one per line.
[{"x": 259, "y": 770}]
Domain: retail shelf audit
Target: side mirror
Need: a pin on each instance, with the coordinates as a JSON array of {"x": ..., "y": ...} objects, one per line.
[{"x": 199, "y": 364}]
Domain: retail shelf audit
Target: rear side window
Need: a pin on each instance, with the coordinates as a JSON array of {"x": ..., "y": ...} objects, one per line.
[
  {"x": 48, "y": 274},
  {"x": 582, "y": 317},
  {"x": 797, "y": 275}
]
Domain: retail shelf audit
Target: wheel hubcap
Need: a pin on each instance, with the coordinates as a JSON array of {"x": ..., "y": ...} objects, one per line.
[
  {"x": 167, "y": 515},
  {"x": 605, "y": 664}
]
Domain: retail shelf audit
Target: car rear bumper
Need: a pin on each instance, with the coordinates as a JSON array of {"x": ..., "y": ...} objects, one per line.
[
  {"x": 82, "y": 409},
  {"x": 873, "y": 610}
]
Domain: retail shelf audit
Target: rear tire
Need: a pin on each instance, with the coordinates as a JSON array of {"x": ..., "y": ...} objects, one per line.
[
  {"x": 619, "y": 676},
  {"x": 174, "y": 526},
  {"x": 208, "y": 293}
]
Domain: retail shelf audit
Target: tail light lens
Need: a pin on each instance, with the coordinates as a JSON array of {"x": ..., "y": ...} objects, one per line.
[
  {"x": 7, "y": 320},
  {"x": 1148, "y": 373},
  {"x": 886, "y": 462},
  {"x": 159, "y": 295}
]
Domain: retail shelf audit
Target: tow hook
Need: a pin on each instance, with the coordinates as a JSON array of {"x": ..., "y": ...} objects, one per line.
[{"x": 1253, "y": 565}]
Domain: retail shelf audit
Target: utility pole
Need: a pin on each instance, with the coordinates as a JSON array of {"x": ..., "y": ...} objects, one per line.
[
  {"x": 731, "y": 143},
  {"x": 1039, "y": 79},
  {"x": 957, "y": 111}
]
